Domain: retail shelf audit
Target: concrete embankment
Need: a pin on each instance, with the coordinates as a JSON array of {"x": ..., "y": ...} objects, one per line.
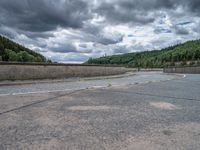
[
  {"x": 28, "y": 71},
  {"x": 185, "y": 69}
]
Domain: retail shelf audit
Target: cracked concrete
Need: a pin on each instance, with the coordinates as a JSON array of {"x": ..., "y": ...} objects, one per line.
[{"x": 151, "y": 116}]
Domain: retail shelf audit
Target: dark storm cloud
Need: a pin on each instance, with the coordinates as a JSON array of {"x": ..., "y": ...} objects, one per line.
[
  {"x": 7, "y": 32},
  {"x": 196, "y": 28},
  {"x": 181, "y": 30},
  {"x": 43, "y": 15},
  {"x": 47, "y": 15},
  {"x": 63, "y": 48},
  {"x": 83, "y": 45},
  {"x": 133, "y": 11},
  {"x": 46, "y": 25},
  {"x": 113, "y": 15},
  {"x": 67, "y": 47},
  {"x": 162, "y": 30},
  {"x": 96, "y": 34},
  {"x": 143, "y": 11},
  {"x": 184, "y": 23},
  {"x": 107, "y": 40},
  {"x": 121, "y": 49},
  {"x": 194, "y": 5},
  {"x": 34, "y": 35}
]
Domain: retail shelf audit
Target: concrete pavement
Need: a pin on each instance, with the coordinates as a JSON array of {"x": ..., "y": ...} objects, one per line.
[
  {"x": 7, "y": 88},
  {"x": 154, "y": 115}
]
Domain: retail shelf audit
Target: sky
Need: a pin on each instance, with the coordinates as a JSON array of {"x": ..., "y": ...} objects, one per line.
[{"x": 72, "y": 31}]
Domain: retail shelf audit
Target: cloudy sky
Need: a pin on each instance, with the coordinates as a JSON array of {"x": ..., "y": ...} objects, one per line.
[{"x": 72, "y": 31}]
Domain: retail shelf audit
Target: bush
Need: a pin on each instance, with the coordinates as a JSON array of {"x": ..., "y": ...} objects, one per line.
[
  {"x": 38, "y": 59},
  {"x": 183, "y": 63},
  {"x": 11, "y": 51},
  {"x": 198, "y": 62},
  {"x": 172, "y": 63},
  {"x": 25, "y": 57},
  {"x": 192, "y": 63},
  {"x": 11, "y": 55},
  {"x": 2, "y": 51}
]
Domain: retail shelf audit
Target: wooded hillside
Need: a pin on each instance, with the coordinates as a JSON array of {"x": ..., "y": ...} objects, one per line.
[
  {"x": 181, "y": 54},
  {"x": 13, "y": 52}
]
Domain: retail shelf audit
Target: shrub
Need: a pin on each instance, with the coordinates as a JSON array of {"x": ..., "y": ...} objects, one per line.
[
  {"x": 183, "y": 63},
  {"x": 192, "y": 63}
]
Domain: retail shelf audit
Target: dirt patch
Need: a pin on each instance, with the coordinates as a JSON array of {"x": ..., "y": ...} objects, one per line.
[
  {"x": 167, "y": 132},
  {"x": 164, "y": 105},
  {"x": 85, "y": 108}
]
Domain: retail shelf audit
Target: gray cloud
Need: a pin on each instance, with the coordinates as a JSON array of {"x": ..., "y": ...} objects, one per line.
[
  {"x": 7, "y": 32},
  {"x": 181, "y": 30},
  {"x": 194, "y": 5},
  {"x": 63, "y": 48},
  {"x": 43, "y": 15},
  {"x": 83, "y": 28},
  {"x": 83, "y": 45},
  {"x": 121, "y": 49},
  {"x": 114, "y": 15},
  {"x": 96, "y": 34},
  {"x": 73, "y": 58},
  {"x": 162, "y": 30},
  {"x": 143, "y": 12},
  {"x": 109, "y": 39},
  {"x": 133, "y": 11}
]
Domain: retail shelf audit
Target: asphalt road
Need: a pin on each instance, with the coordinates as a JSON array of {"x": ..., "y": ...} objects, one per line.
[{"x": 130, "y": 116}]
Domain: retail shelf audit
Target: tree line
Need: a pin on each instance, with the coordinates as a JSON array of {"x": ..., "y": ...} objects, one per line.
[
  {"x": 13, "y": 52},
  {"x": 182, "y": 54}
]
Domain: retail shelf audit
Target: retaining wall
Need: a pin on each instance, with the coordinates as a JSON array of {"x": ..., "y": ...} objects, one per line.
[
  {"x": 151, "y": 69},
  {"x": 186, "y": 69},
  {"x": 18, "y": 71}
]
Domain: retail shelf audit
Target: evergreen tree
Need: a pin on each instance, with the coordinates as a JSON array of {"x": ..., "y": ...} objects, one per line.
[
  {"x": 178, "y": 54},
  {"x": 11, "y": 51}
]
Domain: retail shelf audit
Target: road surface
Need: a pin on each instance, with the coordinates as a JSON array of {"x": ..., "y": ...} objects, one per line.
[
  {"x": 151, "y": 111},
  {"x": 135, "y": 78}
]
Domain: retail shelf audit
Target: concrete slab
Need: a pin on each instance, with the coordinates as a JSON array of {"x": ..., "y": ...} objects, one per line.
[{"x": 155, "y": 115}]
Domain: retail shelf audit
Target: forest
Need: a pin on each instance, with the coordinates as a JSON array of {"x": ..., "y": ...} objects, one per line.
[
  {"x": 187, "y": 53},
  {"x": 13, "y": 52}
]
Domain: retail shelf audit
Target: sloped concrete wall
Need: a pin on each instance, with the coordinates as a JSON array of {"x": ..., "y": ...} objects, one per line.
[
  {"x": 54, "y": 71},
  {"x": 187, "y": 70}
]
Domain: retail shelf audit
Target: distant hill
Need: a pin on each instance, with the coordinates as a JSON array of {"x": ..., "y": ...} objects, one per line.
[
  {"x": 13, "y": 52},
  {"x": 181, "y": 54}
]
